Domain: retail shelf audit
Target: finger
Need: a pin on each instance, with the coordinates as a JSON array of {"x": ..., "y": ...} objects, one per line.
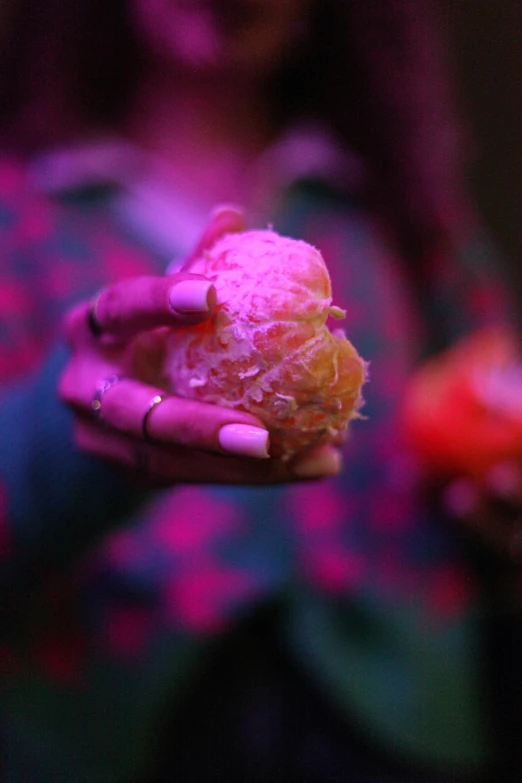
[
  {"x": 224, "y": 219},
  {"x": 161, "y": 466},
  {"x": 127, "y": 405},
  {"x": 145, "y": 412},
  {"x": 139, "y": 304},
  {"x": 130, "y": 306}
]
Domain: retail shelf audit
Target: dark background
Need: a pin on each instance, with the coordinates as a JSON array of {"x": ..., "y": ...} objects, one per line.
[{"x": 485, "y": 44}]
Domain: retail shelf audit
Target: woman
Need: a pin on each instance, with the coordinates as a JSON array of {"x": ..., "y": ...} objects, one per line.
[{"x": 317, "y": 633}]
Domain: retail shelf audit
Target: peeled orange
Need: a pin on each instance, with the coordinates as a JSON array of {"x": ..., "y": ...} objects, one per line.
[{"x": 267, "y": 348}]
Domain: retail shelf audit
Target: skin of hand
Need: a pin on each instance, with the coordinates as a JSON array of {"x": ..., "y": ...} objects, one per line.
[{"x": 186, "y": 441}]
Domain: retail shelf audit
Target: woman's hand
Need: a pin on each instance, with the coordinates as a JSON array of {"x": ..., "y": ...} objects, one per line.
[{"x": 163, "y": 439}]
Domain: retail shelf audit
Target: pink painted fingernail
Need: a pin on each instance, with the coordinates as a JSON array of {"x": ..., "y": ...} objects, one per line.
[
  {"x": 321, "y": 462},
  {"x": 222, "y": 209},
  {"x": 191, "y": 296},
  {"x": 244, "y": 440}
]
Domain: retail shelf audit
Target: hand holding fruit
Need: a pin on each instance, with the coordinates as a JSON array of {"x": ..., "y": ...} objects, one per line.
[{"x": 124, "y": 415}]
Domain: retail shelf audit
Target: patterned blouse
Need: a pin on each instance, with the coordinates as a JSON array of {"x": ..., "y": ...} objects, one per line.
[{"x": 110, "y": 597}]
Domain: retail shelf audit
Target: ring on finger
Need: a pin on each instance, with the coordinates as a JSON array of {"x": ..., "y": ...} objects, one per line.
[
  {"x": 103, "y": 385},
  {"x": 154, "y": 402}
]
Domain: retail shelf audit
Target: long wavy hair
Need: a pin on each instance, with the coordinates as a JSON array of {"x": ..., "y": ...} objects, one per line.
[{"x": 375, "y": 70}]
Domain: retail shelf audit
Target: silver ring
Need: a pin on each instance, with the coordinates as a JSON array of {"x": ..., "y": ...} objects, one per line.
[
  {"x": 103, "y": 385},
  {"x": 155, "y": 401}
]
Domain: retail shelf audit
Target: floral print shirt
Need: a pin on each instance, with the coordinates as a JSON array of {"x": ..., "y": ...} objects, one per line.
[{"x": 111, "y": 598}]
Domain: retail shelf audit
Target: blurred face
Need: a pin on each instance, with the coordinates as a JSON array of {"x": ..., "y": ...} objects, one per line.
[{"x": 230, "y": 35}]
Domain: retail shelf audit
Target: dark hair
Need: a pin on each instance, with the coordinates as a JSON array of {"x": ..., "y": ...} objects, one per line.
[
  {"x": 374, "y": 70},
  {"x": 66, "y": 63}
]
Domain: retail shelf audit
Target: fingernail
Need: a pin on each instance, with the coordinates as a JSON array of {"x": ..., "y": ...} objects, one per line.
[
  {"x": 191, "y": 296},
  {"x": 244, "y": 440},
  {"x": 324, "y": 461},
  {"x": 222, "y": 209}
]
